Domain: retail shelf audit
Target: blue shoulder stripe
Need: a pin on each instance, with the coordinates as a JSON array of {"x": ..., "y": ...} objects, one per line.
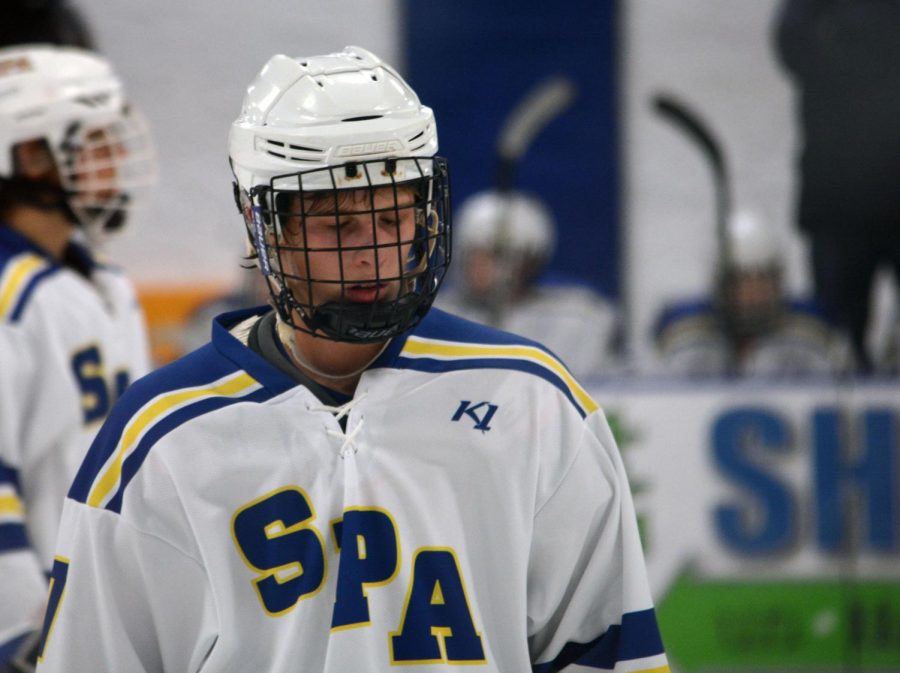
[
  {"x": 432, "y": 355},
  {"x": 29, "y": 289},
  {"x": 153, "y": 406},
  {"x": 134, "y": 457},
  {"x": 18, "y": 280},
  {"x": 677, "y": 312},
  {"x": 444, "y": 342},
  {"x": 635, "y": 639}
]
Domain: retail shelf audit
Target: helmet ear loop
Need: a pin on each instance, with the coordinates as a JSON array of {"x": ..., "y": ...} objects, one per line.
[
  {"x": 426, "y": 222},
  {"x": 437, "y": 194},
  {"x": 424, "y": 245}
]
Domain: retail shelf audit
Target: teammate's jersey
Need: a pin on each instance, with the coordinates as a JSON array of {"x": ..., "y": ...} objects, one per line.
[
  {"x": 576, "y": 323},
  {"x": 69, "y": 342},
  {"x": 691, "y": 342},
  {"x": 467, "y": 510}
]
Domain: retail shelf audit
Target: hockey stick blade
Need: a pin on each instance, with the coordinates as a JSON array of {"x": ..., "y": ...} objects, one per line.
[{"x": 541, "y": 105}]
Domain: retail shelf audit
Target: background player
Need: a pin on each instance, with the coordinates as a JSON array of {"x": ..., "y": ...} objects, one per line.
[
  {"x": 350, "y": 481},
  {"x": 503, "y": 242},
  {"x": 71, "y": 333},
  {"x": 749, "y": 328}
]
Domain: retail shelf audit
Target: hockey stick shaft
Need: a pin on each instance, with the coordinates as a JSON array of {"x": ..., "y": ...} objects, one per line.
[{"x": 683, "y": 117}]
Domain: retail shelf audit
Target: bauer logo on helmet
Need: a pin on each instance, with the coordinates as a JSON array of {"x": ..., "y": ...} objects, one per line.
[{"x": 360, "y": 149}]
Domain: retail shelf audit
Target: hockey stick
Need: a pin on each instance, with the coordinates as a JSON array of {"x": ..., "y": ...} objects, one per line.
[
  {"x": 698, "y": 131},
  {"x": 541, "y": 105}
]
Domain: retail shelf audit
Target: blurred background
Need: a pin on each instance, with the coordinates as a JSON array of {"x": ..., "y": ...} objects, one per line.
[{"x": 769, "y": 502}]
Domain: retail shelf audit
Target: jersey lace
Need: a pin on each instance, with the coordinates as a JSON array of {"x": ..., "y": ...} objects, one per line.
[{"x": 348, "y": 447}]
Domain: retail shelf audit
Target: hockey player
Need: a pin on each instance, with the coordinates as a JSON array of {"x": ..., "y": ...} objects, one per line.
[
  {"x": 503, "y": 241},
  {"x": 749, "y": 328},
  {"x": 350, "y": 482},
  {"x": 71, "y": 333}
]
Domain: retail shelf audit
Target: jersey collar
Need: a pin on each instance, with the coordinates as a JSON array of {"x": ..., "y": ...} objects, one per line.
[{"x": 76, "y": 256}]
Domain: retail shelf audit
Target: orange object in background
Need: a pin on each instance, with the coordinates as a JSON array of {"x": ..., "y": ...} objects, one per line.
[{"x": 168, "y": 310}]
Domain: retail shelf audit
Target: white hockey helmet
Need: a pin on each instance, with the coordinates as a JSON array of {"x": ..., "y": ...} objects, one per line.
[
  {"x": 327, "y": 125},
  {"x": 71, "y": 100},
  {"x": 506, "y": 221},
  {"x": 748, "y": 283},
  {"x": 752, "y": 244}
]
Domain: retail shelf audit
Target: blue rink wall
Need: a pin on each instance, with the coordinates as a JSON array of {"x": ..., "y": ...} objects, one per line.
[{"x": 472, "y": 61}]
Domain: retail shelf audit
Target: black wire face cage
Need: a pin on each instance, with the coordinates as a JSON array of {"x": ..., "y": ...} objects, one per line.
[{"x": 358, "y": 263}]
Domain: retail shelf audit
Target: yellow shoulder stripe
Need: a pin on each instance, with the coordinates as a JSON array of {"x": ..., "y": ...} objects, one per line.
[
  {"x": 15, "y": 279},
  {"x": 158, "y": 408},
  {"x": 417, "y": 346}
]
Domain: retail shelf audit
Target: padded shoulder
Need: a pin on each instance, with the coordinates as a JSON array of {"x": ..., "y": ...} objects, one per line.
[{"x": 20, "y": 275}]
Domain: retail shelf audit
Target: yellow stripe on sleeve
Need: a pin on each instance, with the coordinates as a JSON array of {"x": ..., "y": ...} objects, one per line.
[
  {"x": 155, "y": 411},
  {"x": 421, "y": 347},
  {"x": 10, "y": 505},
  {"x": 17, "y": 277}
]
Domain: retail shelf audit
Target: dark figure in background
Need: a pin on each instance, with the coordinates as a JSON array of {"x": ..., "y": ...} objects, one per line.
[
  {"x": 44, "y": 22},
  {"x": 844, "y": 58}
]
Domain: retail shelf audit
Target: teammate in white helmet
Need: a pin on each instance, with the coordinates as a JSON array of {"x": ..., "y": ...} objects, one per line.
[
  {"x": 503, "y": 242},
  {"x": 349, "y": 481},
  {"x": 72, "y": 156},
  {"x": 749, "y": 328}
]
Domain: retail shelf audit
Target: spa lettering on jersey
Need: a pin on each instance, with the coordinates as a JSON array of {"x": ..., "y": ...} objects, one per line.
[{"x": 277, "y": 540}]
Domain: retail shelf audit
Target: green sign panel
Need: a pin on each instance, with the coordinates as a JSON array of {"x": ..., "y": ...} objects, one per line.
[{"x": 779, "y": 626}]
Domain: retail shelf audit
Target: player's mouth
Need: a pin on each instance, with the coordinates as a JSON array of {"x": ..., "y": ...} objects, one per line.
[{"x": 366, "y": 294}]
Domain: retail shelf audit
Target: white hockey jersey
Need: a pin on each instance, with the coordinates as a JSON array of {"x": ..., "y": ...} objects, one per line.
[
  {"x": 471, "y": 514},
  {"x": 69, "y": 343},
  {"x": 691, "y": 342}
]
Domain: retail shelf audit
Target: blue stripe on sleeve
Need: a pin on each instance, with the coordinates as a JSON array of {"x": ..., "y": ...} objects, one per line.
[
  {"x": 9, "y": 475},
  {"x": 638, "y": 637},
  {"x": 13, "y": 537}
]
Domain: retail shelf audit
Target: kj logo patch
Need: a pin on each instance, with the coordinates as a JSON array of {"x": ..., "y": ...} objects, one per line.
[{"x": 481, "y": 413}]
